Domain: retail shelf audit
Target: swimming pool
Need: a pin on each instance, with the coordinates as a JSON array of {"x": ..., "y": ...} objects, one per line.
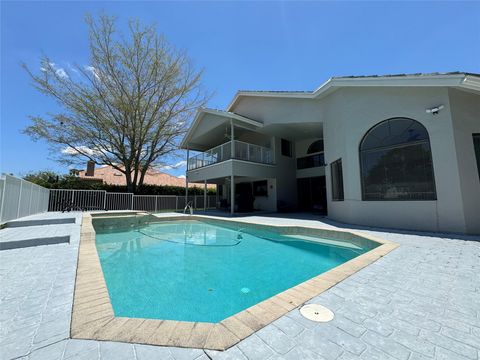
[{"x": 206, "y": 271}]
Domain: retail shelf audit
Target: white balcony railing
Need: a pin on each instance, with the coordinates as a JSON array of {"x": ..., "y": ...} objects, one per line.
[{"x": 242, "y": 151}]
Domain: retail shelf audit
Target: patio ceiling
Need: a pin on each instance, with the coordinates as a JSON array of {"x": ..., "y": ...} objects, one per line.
[{"x": 211, "y": 128}]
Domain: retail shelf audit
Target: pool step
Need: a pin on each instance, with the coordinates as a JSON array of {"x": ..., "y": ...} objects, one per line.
[
  {"x": 122, "y": 214},
  {"x": 40, "y": 222},
  {"x": 23, "y": 243},
  {"x": 27, "y": 236}
]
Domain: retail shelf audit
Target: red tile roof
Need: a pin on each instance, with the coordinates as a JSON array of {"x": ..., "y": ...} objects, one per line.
[{"x": 111, "y": 176}]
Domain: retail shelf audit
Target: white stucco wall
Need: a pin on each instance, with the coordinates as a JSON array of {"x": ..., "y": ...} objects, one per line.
[
  {"x": 465, "y": 111},
  {"x": 268, "y": 202},
  {"x": 347, "y": 114},
  {"x": 247, "y": 172},
  {"x": 350, "y": 113},
  {"x": 280, "y": 110},
  {"x": 311, "y": 172},
  {"x": 285, "y": 174},
  {"x": 301, "y": 148}
]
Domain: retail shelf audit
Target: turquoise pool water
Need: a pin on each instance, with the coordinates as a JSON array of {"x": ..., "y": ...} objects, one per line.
[{"x": 198, "y": 271}]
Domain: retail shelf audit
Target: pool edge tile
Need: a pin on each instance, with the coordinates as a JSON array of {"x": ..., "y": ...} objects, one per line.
[
  {"x": 93, "y": 316},
  {"x": 220, "y": 338}
]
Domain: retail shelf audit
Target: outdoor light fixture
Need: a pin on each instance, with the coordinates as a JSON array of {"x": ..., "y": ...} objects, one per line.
[{"x": 435, "y": 110}]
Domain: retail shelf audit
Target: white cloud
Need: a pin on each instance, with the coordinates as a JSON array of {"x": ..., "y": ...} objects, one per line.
[
  {"x": 92, "y": 70},
  {"x": 180, "y": 164},
  {"x": 58, "y": 70},
  {"x": 181, "y": 177},
  {"x": 174, "y": 166},
  {"x": 47, "y": 66},
  {"x": 85, "y": 150},
  {"x": 62, "y": 73},
  {"x": 72, "y": 68}
]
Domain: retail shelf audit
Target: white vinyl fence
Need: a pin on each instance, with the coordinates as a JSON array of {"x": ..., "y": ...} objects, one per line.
[
  {"x": 20, "y": 198},
  {"x": 79, "y": 200}
]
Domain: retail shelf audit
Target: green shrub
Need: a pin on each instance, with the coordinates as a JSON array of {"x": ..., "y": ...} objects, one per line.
[{"x": 51, "y": 180}]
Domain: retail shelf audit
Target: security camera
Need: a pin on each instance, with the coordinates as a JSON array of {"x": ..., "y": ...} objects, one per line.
[{"x": 435, "y": 110}]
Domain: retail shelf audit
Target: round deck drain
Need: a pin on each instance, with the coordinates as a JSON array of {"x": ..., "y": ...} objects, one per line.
[{"x": 316, "y": 313}]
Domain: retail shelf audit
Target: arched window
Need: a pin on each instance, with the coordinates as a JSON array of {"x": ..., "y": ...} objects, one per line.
[
  {"x": 396, "y": 162},
  {"x": 315, "y": 147}
]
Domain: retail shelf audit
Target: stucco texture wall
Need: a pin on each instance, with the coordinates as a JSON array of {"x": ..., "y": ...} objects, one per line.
[
  {"x": 465, "y": 111},
  {"x": 350, "y": 113}
]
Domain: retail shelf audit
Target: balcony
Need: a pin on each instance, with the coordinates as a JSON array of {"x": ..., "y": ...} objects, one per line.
[
  {"x": 242, "y": 151},
  {"x": 311, "y": 161}
]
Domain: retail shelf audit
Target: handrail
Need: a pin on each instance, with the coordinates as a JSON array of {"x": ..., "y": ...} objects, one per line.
[
  {"x": 242, "y": 151},
  {"x": 188, "y": 206}
]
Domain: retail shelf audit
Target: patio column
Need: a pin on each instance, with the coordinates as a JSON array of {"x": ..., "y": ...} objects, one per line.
[
  {"x": 274, "y": 153},
  {"x": 205, "y": 197},
  {"x": 232, "y": 142},
  {"x": 232, "y": 194}
]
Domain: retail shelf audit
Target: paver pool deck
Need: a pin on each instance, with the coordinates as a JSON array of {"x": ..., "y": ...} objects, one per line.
[{"x": 420, "y": 301}]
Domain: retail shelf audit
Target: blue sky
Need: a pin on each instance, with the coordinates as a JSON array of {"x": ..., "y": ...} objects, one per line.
[{"x": 241, "y": 45}]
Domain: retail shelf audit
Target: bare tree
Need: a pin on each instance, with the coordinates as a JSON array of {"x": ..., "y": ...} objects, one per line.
[{"x": 128, "y": 108}]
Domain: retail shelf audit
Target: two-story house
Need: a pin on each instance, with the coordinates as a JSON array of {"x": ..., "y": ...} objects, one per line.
[{"x": 400, "y": 151}]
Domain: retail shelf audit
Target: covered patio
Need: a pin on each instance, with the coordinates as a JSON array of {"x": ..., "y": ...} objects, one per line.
[{"x": 214, "y": 140}]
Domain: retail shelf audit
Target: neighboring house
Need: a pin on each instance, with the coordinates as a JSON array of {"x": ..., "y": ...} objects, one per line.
[
  {"x": 398, "y": 151},
  {"x": 108, "y": 175}
]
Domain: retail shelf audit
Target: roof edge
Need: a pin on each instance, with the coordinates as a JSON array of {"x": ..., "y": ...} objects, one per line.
[
  {"x": 228, "y": 114},
  {"x": 462, "y": 79}
]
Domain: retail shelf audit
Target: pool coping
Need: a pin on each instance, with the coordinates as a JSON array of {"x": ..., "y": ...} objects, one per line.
[{"x": 93, "y": 316}]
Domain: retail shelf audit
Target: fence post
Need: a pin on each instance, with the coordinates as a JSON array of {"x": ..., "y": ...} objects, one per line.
[
  {"x": 156, "y": 203},
  {"x": 176, "y": 203},
  {"x": 104, "y": 200},
  {"x": 30, "y": 199},
  {"x": 19, "y": 199},
  {"x": 131, "y": 207},
  {"x": 3, "y": 197},
  {"x": 73, "y": 196},
  {"x": 195, "y": 202}
]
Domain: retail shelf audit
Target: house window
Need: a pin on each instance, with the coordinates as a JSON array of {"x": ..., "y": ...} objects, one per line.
[
  {"x": 286, "y": 148},
  {"x": 396, "y": 162},
  {"x": 336, "y": 174},
  {"x": 315, "y": 147},
  {"x": 476, "y": 146},
  {"x": 260, "y": 188}
]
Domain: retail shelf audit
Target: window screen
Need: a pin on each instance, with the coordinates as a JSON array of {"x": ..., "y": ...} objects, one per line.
[
  {"x": 396, "y": 162},
  {"x": 336, "y": 172},
  {"x": 476, "y": 146}
]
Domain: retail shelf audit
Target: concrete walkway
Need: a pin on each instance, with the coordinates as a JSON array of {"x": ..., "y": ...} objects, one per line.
[{"x": 421, "y": 301}]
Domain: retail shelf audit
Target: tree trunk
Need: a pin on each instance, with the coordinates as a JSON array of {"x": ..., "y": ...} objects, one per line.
[
  {"x": 128, "y": 178},
  {"x": 143, "y": 171}
]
